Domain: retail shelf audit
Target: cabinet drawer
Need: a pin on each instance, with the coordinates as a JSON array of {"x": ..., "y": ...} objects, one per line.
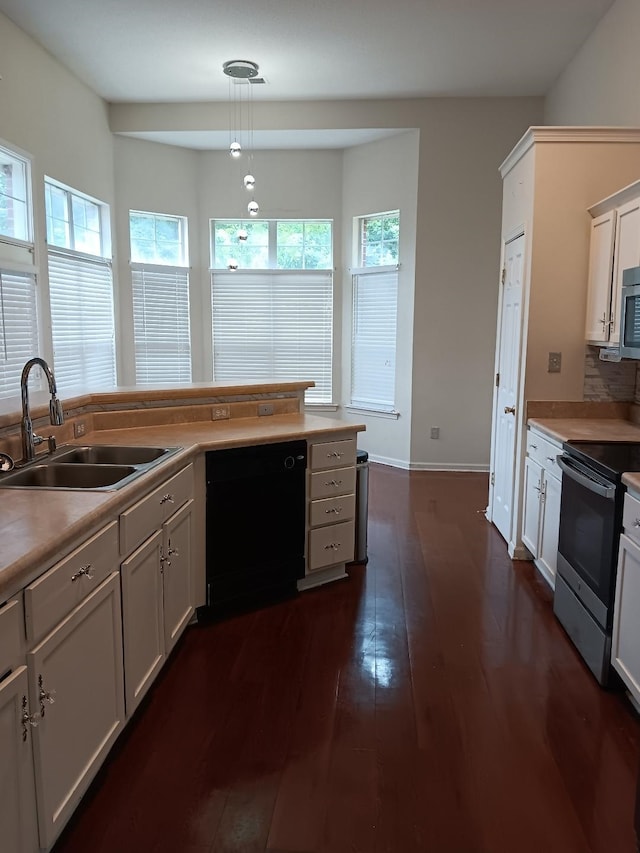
[
  {"x": 327, "y": 484},
  {"x": 139, "y": 521},
  {"x": 11, "y": 634},
  {"x": 331, "y": 510},
  {"x": 544, "y": 452},
  {"x": 333, "y": 454},
  {"x": 631, "y": 518},
  {"x": 329, "y": 545},
  {"x": 58, "y": 591}
]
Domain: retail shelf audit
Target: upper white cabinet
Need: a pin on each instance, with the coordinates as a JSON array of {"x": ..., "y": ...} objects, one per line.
[{"x": 614, "y": 247}]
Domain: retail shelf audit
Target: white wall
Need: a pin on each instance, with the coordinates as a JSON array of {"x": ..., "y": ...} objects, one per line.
[
  {"x": 600, "y": 84},
  {"x": 378, "y": 177},
  {"x": 62, "y": 124}
]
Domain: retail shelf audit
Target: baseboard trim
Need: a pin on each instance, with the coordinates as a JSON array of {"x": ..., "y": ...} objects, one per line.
[{"x": 469, "y": 467}]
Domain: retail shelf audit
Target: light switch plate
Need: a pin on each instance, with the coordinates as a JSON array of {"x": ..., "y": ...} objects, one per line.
[
  {"x": 220, "y": 413},
  {"x": 79, "y": 429}
]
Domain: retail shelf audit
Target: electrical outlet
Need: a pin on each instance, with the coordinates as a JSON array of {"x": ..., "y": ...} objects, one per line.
[
  {"x": 265, "y": 409},
  {"x": 220, "y": 413},
  {"x": 435, "y": 432},
  {"x": 79, "y": 429},
  {"x": 555, "y": 362}
]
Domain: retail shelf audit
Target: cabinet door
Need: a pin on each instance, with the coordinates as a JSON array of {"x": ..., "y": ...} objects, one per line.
[
  {"x": 81, "y": 661},
  {"x": 142, "y": 618},
  {"x": 176, "y": 574},
  {"x": 625, "y": 648},
  {"x": 600, "y": 277},
  {"x": 18, "y": 819},
  {"x": 531, "y": 513},
  {"x": 549, "y": 526},
  {"x": 627, "y": 254}
]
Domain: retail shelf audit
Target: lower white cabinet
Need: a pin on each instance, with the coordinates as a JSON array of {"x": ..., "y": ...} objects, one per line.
[
  {"x": 625, "y": 642},
  {"x": 18, "y": 824},
  {"x": 76, "y": 685},
  {"x": 177, "y": 591},
  {"x": 541, "y": 507}
]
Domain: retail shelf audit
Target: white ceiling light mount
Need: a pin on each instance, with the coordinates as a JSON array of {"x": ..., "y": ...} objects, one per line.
[{"x": 240, "y": 69}]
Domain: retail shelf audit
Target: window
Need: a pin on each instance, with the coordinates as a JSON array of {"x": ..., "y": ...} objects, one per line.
[
  {"x": 15, "y": 200},
  {"x": 273, "y": 316},
  {"x": 160, "y": 280},
  {"x": 80, "y": 289},
  {"x": 375, "y": 301},
  {"x": 18, "y": 296}
]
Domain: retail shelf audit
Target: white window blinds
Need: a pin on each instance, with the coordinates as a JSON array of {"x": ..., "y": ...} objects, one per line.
[
  {"x": 18, "y": 328},
  {"x": 81, "y": 295},
  {"x": 373, "y": 351},
  {"x": 274, "y": 326},
  {"x": 161, "y": 324}
]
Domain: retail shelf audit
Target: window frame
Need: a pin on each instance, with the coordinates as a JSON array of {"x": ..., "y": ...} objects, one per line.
[
  {"x": 272, "y": 246},
  {"x": 362, "y": 221},
  {"x": 104, "y": 217},
  {"x": 183, "y": 240}
]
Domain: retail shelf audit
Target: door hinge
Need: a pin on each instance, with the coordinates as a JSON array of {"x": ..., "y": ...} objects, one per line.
[
  {"x": 493, "y": 478},
  {"x": 503, "y": 277},
  {"x": 497, "y": 379}
]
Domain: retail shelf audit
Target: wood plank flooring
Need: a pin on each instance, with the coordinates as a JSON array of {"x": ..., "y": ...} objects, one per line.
[{"x": 431, "y": 702}]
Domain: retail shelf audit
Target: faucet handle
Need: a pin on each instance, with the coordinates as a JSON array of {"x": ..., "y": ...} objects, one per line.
[{"x": 56, "y": 414}]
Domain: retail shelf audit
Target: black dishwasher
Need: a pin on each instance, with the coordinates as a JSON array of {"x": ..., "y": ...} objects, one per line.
[{"x": 255, "y": 524}]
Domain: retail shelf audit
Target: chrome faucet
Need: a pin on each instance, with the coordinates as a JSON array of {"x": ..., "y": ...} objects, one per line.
[{"x": 56, "y": 415}]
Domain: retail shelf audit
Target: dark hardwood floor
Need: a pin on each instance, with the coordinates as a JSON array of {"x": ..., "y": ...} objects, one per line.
[{"x": 429, "y": 703}]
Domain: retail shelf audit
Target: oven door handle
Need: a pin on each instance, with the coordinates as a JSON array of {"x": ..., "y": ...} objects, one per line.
[{"x": 597, "y": 488}]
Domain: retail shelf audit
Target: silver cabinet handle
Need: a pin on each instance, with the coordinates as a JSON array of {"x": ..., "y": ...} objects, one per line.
[
  {"x": 48, "y": 696},
  {"x": 334, "y": 483},
  {"x": 533, "y": 446},
  {"x": 173, "y": 552},
  {"x": 27, "y": 719},
  {"x": 163, "y": 560},
  {"x": 636, "y": 523},
  {"x": 83, "y": 571},
  {"x": 333, "y": 546},
  {"x": 167, "y": 499},
  {"x": 336, "y": 509},
  {"x": 334, "y": 455},
  {"x": 551, "y": 458}
]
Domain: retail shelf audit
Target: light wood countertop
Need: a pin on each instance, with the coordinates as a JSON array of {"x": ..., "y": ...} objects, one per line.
[
  {"x": 38, "y": 526},
  {"x": 587, "y": 429}
]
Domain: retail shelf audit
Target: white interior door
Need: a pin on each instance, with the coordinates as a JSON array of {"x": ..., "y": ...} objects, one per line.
[{"x": 509, "y": 370}]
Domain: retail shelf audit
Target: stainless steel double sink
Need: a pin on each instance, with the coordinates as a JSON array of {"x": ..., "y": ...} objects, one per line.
[{"x": 96, "y": 467}]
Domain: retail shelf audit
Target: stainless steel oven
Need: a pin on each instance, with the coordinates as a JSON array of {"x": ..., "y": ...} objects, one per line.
[{"x": 590, "y": 523}]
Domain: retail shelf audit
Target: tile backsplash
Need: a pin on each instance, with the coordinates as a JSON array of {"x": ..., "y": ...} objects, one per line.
[{"x": 609, "y": 381}]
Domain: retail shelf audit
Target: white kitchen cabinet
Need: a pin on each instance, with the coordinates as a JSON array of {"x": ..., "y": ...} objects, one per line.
[
  {"x": 18, "y": 821},
  {"x": 76, "y": 684},
  {"x": 625, "y": 641},
  {"x": 157, "y": 589},
  {"x": 541, "y": 509},
  {"x": 615, "y": 246},
  {"x": 330, "y": 511}
]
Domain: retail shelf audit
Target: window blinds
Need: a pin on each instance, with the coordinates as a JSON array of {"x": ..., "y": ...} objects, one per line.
[
  {"x": 161, "y": 324},
  {"x": 274, "y": 326},
  {"x": 373, "y": 351},
  {"x": 18, "y": 329},
  {"x": 81, "y": 295}
]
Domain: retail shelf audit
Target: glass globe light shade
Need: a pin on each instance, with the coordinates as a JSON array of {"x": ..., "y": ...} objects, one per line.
[
  {"x": 235, "y": 149},
  {"x": 249, "y": 182},
  {"x": 253, "y": 208},
  {"x": 243, "y": 234},
  {"x": 233, "y": 264}
]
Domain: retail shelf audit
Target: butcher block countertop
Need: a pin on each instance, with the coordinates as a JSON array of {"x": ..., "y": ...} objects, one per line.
[
  {"x": 38, "y": 526},
  {"x": 587, "y": 429}
]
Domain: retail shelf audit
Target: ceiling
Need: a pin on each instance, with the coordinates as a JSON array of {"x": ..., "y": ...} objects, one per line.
[{"x": 173, "y": 50}]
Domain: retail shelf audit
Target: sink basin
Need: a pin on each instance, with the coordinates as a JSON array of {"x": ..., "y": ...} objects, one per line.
[
  {"x": 100, "y": 454},
  {"x": 52, "y": 476}
]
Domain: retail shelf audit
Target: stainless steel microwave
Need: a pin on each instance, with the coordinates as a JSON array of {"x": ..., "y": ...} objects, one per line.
[{"x": 630, "y": 314}]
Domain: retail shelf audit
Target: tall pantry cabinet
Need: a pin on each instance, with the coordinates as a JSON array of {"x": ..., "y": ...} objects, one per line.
[{"x": 550, "y": 179}]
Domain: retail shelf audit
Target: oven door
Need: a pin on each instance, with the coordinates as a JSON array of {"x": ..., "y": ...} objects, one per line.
[{"x": 589, "y": 535}]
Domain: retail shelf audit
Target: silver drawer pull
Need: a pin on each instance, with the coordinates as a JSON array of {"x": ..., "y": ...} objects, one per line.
[
  {"x": 334, "y": 483},
  {"x": 27, "y": 719},
  {"x": 334, "y": 455},
  {"x": 551, "y": 458},
  {"x": 83, "y": 571},
  {"x": 636, "y": 523},
  {"x": 167, "y": 499},
  {"x": 336, "y": 509},
  {"x": 533, "y": 446},
  {"x": 173, "y": 552},
  {"x": 334, "y": 546},
  {"x": 48, "y": 696}
]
